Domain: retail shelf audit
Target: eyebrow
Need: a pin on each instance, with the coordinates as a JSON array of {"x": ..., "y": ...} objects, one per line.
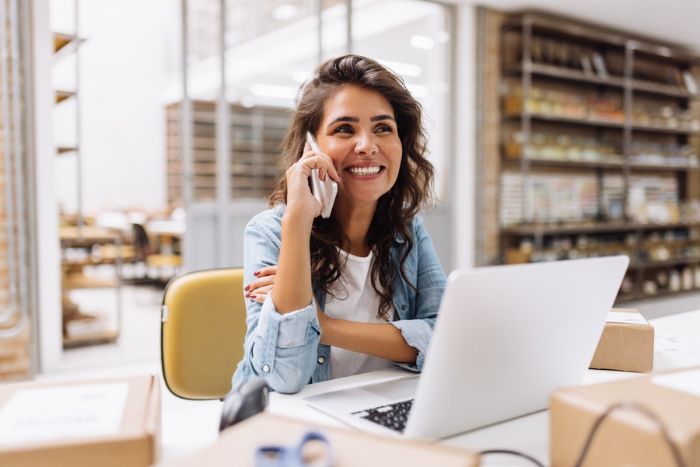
[{"x": 375, "y": 118}]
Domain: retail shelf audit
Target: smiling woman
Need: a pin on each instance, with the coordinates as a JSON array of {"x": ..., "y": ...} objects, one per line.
[{"x": 359, "y": 290}]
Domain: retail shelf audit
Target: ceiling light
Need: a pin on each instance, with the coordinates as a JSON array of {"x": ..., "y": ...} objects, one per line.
[
  {"x": 442, "y": 37},
  {"x": 285, "y": 12},
  {"x": 418, "y": 90},
  {"x": 422, "y": 42},
  {"x": 300, "y": 76},
  {"x": 273, "y": 90},
  {"x": 404, "y": 69}
]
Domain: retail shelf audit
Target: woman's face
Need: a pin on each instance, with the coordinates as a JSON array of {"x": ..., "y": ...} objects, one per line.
[{"x": 358, "y": 131}]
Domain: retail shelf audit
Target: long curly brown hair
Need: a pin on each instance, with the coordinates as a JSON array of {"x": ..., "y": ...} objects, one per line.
[{"x": 396, "y": 208}]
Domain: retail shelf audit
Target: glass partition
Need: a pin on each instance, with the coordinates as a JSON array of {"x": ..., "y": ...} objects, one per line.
[{"x": 16, "y": 336}]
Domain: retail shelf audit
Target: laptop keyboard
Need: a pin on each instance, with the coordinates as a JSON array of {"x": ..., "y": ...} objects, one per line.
[{"x": 392, "y": 416}]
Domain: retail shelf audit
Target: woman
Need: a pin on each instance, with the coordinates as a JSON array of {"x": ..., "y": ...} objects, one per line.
[{"x": 360, "y": 290}]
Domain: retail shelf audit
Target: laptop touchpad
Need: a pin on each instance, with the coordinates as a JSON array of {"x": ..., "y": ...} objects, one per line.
[
  {"x": 364, "y": 397},
  {"x": 404, "y": 388}
]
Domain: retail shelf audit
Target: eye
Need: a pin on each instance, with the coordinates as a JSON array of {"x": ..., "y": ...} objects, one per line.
[
  {"x": 347, "y": 129},
  {"x": 383, "y": 129}
]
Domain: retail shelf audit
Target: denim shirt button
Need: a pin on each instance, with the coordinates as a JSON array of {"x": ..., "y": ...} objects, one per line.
[
  {"x": 403, "y": 307},
  {"x": 321, "y": 360},
  {"x": 266, "y": 368}
]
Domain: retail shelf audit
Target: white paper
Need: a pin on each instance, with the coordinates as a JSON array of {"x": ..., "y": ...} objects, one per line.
[
  {"x": 686, "y": 381},
  {"x": 625, "y": 318},
  {"x": 81, "y": 411}
]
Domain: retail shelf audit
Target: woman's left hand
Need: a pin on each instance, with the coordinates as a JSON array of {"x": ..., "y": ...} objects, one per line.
[{"x": 258, "y": 289}]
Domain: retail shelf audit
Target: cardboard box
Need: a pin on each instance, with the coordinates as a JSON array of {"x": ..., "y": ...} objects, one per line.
[
  {"x": 237, "y": 446},
  {"x": 627, "y": 343},
  {"x": 627, "y": 437},
  {"x": 105, "y": 422}
]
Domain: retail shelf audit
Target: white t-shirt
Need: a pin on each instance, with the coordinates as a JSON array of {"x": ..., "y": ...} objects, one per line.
[{"x": 355, "y": 300}]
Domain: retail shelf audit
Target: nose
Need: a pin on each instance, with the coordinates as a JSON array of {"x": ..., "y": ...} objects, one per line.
[{"x": 366, "y": 145}]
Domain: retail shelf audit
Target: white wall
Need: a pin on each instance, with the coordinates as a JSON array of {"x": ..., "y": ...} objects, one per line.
[
  {"x": 123, "y": 73},
  {"x": 464, "y": 173},
  {"x": 48, "y": 326}
]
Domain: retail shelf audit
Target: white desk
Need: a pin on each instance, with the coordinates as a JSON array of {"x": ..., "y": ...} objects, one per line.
[{"x": 677, "y": 344}]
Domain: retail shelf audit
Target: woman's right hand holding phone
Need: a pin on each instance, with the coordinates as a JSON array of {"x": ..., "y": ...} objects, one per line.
[
  {"x": 293, "y": 279},
  {"x": 301, "y": 204}
]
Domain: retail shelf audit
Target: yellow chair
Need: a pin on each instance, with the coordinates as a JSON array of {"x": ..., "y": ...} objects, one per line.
[{"x": 202, "y": 332}]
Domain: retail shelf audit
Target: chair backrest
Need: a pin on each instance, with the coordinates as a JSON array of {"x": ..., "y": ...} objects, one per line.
[
  {"x": 202, "y": 332},
  {"x": 141, "y": 240}
]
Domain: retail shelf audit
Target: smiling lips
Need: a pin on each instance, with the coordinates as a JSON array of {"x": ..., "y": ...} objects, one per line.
[{"x": 366, "y": 170}]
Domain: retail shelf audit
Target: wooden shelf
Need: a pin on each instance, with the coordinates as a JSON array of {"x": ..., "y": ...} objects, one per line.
[
  {"x": 61, "y": 40},
  {"x": 649, "y": 87},
  {"x": 589, "y": 228},
  {"x": 578, "y": 30},
  {"x": 564, "y": 119},
  {"x": 63, "y": 95},
  {"x": 601, "y": 123},
  {"x": 661, "y": 89},
  {"x": 563, "y": 163},
  {"x": 61, "y": 150},
  {"x": 75, "y": 281},
  {"x": 664, "y": 168},
  {"x": 570, "y": 74},
  {"x": 98, "y": 337},
  {"x": 663, "y": 129},
  {"x": 671, "y": 262},
  {"x": 575, "y": 164},
  {"x": 64, "y": 44}
]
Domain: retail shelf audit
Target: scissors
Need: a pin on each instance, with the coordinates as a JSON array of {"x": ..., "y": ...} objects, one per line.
[{"x": 292, "y": 456}]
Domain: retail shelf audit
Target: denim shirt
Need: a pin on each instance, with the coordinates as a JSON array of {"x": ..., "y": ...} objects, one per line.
[{"x": 285, "y": 349}]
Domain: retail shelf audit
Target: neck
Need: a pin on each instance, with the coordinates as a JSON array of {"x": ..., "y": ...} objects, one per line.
[{"x": 355, "y": 222}]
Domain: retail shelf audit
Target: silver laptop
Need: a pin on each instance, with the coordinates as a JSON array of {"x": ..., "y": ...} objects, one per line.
[{"x": 505, "y": 338}]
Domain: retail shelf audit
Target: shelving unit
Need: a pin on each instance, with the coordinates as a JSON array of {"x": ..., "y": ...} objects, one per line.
[
  {"x": 80, "y": 242},
  {"x": 599, "y": 136},
  {"x": 255, "y": 138},
  {"x": 81, "y": 327}
]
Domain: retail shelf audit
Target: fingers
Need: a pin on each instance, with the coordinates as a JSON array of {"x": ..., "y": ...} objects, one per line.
[
  {"x": 320, "y": 161},
  {"x": 262, "y": 284},
  {"x": 258, "y": 283},
  {"x": 266, "y": 271},
  {"x": 259, "y": 294}
]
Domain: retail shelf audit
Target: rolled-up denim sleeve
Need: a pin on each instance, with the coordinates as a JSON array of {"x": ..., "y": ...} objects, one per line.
[
  {"x": 280, "y": 348},
  {"x": 430, "y": 284}
]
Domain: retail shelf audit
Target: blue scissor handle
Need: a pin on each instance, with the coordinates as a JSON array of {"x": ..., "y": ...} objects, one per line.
[{"x": 291, "y": 456}]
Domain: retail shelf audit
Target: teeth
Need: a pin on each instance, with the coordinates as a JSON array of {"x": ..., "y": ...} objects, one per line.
[{"x": 364, "y": 170}]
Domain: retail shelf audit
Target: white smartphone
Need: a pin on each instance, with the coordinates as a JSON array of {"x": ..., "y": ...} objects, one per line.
[{"x": 323, "y": 190}]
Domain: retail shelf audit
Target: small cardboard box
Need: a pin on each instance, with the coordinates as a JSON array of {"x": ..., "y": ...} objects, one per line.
[
  {"x": 105, "y": 422},
  {"x": 627, "y": 436},
  {"x": 627, "y": 343},
  {"x": 237, "y": 446}
]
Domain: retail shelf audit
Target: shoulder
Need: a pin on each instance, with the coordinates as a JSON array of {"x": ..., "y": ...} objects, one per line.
[
  {"x": 417, "y": 224},
  {"x": 268, "y": 218},
  {"x": 268, "y": 222},
  {"x": 417, "y": 229}
]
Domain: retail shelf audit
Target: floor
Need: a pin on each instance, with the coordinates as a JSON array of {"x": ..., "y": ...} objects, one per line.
[
  {"x": 137, "y": 352},
  {"x": 139, "y": 339}
]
